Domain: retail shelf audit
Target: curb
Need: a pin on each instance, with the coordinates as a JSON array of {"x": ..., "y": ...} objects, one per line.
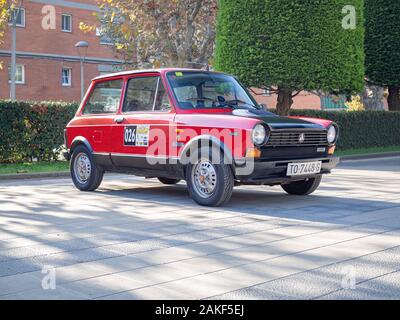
[
  {"x": 65, "y": 174},
  {"x": 370, "y": 156},
  {"x": 41, "y": 175}
]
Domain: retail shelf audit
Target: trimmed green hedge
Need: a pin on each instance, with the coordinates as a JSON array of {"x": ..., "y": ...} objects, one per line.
[
  {"x": 33, "y": 130},
  {"x": 361, "y": 129}
]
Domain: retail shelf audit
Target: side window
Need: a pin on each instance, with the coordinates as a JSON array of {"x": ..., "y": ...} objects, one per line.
[
  {"x": 162, "y": 100},
  {"x": 140, "y": 94},
  {"x": 105, "y": 98}
]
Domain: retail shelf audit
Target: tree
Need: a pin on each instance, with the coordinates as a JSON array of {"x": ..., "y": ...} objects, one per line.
[
  {"x": 290, "y": 46},
  {"x": 6, "y": 7},
  {"x": 382, "y": 47},
  {"x": 161, "y": 32}
]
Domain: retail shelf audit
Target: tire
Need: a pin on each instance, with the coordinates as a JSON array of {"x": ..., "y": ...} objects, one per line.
[
  {"x": 302, "y": 188},
  {"x": 168, "y": 181},
  {"x": 89, "y": 179},
  {"x": 218, "y": 178}
]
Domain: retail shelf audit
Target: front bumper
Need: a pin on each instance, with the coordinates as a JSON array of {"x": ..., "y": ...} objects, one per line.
[
  {"x": 67, "y": 155},
  {"x": 274, "y": 172}
]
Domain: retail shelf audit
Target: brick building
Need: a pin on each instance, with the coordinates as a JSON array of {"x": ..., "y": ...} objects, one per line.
[{"x": 48, "y": 64}]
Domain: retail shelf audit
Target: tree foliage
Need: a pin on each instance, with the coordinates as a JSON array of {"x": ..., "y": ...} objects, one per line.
[
  {"x": 4, "y": 16},
  {"x": 161, "y": 32},
  {"x": 382, "y": 46},
  {"x": 6, "y": 7},
  {"x": 291, "y": 46}
]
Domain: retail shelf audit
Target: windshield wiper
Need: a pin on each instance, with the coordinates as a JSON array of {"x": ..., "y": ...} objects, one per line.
[
  {"x": 236, "y": 102},
  {"x": 200, "y": 99}
]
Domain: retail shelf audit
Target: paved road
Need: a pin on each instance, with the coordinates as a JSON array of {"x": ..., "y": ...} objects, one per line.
[{"x": 137, "y": 239}]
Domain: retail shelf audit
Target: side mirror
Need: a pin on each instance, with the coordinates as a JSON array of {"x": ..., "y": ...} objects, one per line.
[{"x": 264, "y": 106}]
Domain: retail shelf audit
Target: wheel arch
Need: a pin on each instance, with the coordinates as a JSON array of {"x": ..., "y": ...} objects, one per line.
[
  {"x": 205, "y": 141},
  {"x": 79, "y": 140}
]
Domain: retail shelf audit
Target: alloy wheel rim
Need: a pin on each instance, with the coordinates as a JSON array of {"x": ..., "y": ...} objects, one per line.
[
  {"x": 82, "y": 168},
  {"x": 204, "y": 178}
]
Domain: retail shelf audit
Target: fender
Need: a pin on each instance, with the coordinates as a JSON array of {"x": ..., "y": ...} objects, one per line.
[
  {"x": 80, "y": 140},
  {"x": 201, "y": 141}
]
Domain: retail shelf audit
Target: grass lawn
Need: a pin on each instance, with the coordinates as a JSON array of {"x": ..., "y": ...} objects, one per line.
[
  {"x": 33, "y": 167},
  {"x": 367, "y": 151}
]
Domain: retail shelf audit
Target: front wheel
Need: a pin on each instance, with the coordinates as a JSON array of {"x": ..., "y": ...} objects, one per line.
[
  {"x": 304, "y": 187},
  {"x": 86, "y": 175},
  {"x": 210, "y": 184}
]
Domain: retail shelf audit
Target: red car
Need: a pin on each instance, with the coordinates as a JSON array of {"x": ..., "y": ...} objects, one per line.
[{"x": 199, "y": 126}]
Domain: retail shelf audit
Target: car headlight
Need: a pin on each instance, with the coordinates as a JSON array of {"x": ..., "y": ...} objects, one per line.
[
  {"x": 260, "y": 135},
  {"x": 332, "y": 134}
]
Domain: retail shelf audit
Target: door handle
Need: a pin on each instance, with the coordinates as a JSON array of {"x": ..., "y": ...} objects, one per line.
[{"x": 119, "y": 119}]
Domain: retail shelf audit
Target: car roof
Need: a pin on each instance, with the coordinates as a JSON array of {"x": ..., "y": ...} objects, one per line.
[{"x": 162, "y": 70}]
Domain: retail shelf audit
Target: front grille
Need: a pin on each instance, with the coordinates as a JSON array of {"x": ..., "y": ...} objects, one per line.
[{"x": 292, "y": 138}]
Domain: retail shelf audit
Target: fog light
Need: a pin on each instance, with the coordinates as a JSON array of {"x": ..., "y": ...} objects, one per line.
[
  {"x": 253, "y": 153},
  {"x": 331, "y": 150}
]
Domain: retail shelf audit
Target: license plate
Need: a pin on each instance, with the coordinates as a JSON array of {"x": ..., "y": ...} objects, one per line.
[{"x": 304, "y": 168}]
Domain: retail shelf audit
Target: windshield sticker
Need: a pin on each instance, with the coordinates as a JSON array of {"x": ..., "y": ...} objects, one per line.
[{"x": 179, "y": 74}]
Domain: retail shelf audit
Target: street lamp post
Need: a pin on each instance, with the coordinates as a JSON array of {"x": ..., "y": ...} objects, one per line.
[
  {"x": 13, "y": 55},
  {"x": 82, "y": 46},
  {"x": 16, "y": 10}
]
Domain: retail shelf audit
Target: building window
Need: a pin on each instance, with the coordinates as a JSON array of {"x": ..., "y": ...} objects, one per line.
[
  {"x": 66, "y": 23},
  {"x": 266, "y": 93},
  {"x": 19, "y": 74},
  {"x": 66, "y": 77},
  {"x": 104, "y": 38},
  {"x": 19, "y": 16}
]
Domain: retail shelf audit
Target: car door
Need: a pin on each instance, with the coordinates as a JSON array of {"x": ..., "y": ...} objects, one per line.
[
  {"x": 97, "y": 116},
  {"x": 141, "y": 129}
]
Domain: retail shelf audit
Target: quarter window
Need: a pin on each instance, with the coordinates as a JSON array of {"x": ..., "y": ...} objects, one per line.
[
  {"x": 105, "y": 98},
  {"x": 162, "y": 101},
  {"x": 66, "y": 77},
  {"x": 66, "y": 23}
]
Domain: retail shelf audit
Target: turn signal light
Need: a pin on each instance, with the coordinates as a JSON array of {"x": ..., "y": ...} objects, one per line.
[
  {"x": 253, "y": 153},
  {"x": 331, "y": 150}
]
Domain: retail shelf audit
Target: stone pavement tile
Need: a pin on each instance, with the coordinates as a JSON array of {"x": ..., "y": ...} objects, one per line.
[
  {"x": 147, "y": 293},
  {"x": 322, "y": 281},
  {"x": 103, "y": 285},
  {"x": 386, "y": 287},
  {"x": 254, "y": 293},
  {"x": 156, "y": 274},
  {"x": 260, "y": 272},
  {"x": 17, "y": 283},
  {"x": 60, "y": 293}
]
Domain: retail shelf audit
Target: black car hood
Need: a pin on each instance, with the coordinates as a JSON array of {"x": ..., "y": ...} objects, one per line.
[{"x": 274, "y": 121}]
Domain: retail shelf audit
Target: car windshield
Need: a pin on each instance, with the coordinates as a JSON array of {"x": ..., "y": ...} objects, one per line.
[{"x": 202, "y": 90}]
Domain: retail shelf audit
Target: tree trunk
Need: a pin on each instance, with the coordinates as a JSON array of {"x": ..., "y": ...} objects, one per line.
[
  {"x": 285, "y": 101},
  {"x": 372, "y": 98},
  {"x": 394, "y": 98}
]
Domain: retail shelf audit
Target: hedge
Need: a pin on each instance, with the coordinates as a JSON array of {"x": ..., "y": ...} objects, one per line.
[
  {"x": 33, "y": 130},
  {"x": 361, "y": 129}
]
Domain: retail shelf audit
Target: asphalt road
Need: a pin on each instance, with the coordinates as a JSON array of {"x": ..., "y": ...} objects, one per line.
[{"x": 138, "y": 239}]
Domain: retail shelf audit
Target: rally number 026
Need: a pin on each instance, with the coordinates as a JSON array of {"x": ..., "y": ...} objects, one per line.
[{"x": 130, "y": 136}]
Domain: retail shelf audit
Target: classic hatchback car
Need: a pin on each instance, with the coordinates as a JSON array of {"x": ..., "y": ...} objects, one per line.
[{"x": 199, "y": 126}]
